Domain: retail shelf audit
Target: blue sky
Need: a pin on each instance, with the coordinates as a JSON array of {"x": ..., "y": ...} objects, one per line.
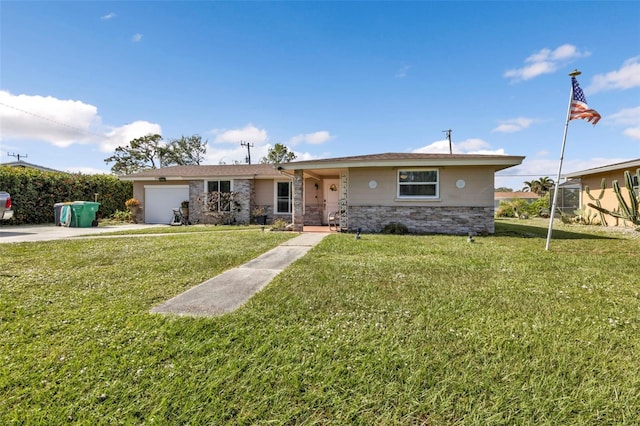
[{"x": 327, "y": 79}]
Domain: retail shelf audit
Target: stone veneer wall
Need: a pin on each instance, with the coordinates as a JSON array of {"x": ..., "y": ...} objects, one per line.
[
  {"x": 244, "y": 188},
  {"x": 196, "y": 201},
  {"x": 313, "y": 215},
  {"x": 424, "y": 220},
  {"x": 197, "y": 197}
]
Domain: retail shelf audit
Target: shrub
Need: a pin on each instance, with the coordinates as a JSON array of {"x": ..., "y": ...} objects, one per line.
[
  {"x": 505, "y": 209},
  {"x": 120, "y": 216},
  {"x": 131, "y": 202},
  {"x": 34, "y": 192},
  {"x": 279, "y": 225}
]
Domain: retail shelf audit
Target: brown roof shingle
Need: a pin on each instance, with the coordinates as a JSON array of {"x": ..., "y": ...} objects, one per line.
[{"x": 204, "y": 171}]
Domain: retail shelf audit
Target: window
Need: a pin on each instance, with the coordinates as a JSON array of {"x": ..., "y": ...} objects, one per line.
[
  {"x": 418, "y": 183},
  {"x": 219, "y": 186},
  {"x": 219, "y": 195},
  {"x": 283, "y": 197},
  {"x": 635, "y": 183}
]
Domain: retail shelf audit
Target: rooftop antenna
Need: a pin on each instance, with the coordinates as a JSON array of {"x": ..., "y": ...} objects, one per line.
[
  {"x": 448, "y": 132},
  {"x": 249, "y": 146},
  {"x": 18, "y": 156}
]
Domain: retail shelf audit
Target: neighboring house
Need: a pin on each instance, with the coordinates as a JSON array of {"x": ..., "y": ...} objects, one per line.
[
  {"x": 592, "y": 178},
  {"x": 429, "y": 193},
  {"x": 25, "y": 165},
  {"x": 499, "y": 196},
  {"x": 568, "y": 201}
]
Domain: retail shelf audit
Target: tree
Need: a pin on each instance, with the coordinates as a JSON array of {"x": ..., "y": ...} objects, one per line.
[
  {"x": 186, "y": 151},
  {"x": 150, "y": 152},
  {"x": 531, "y": 186},
  {"x": 540, "y": 186},
  {"x": 141, "y": 154},
  {"x": 503, "y": 189},
  {"x": 545, "y": 184},
  {"x": 278, "y": 154}
]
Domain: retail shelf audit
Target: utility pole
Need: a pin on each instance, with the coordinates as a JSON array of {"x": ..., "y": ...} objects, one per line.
[
  {"x": 249, "y": 146},
  {"x": 18, "y": 156},
  {"x": 448, "y": 132}
]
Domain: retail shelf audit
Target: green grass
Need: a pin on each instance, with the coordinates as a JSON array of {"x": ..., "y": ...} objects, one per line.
[
  {"x": 383, "y": 330},
  {"x": 162, "y": 229}
]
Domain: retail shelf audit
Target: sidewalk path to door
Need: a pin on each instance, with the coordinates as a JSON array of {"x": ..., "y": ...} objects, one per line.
[{"x": 231, "y": 289}]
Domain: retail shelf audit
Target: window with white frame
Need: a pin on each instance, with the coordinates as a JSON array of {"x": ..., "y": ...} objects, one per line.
[
  {"x": 636, "y": 184},
  {"x": 283, "y": 197},
  {"x": 418, "y": 183},
  {"x": 219, "y": 195}
]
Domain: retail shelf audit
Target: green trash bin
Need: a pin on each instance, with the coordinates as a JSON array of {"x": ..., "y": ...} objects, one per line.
[{"x": 83, "y": 214}]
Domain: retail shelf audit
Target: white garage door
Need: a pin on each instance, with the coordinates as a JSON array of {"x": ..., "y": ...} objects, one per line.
[{"x": 161, "y": 200}]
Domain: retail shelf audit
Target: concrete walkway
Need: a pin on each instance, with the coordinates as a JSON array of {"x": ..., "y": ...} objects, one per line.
[{"x": 231, "y": 289}]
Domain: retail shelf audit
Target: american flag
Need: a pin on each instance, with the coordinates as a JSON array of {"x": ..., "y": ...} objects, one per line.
[{"x": 579, "y": 107}]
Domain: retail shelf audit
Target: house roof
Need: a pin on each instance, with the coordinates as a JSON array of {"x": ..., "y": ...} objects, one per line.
[
  {"x": 206, "y": 171},
  {"x": 400, "y": 159},
  {"x": 500, "y": 195},
  {"x": 26, "y": 165},
  {"x": 498, "y": 162},
  {"x": 631, "y": 164}
]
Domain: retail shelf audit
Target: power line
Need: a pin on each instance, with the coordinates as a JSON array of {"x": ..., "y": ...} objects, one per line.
[{"x": 52, "y": 121}]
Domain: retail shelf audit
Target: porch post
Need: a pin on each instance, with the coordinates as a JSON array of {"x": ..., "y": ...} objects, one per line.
[{"x": 298, "y": 203}]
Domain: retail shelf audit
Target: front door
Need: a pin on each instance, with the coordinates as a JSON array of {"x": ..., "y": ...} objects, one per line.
[{"x": 331, "y": 198}]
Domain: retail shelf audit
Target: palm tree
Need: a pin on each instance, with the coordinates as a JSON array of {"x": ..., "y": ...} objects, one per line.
[
  {"x": 545, "y": 184},
  {"x": 531, "y": 186},
  {"x": 540, "y": 186}
]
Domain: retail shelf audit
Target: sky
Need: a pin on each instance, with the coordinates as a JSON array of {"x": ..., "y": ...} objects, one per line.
[{"x": 325, "y": 78}]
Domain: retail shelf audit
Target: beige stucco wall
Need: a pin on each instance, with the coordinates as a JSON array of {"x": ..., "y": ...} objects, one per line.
[
  {"x": 477, "y": 192},
  {"x": 138, "y": 187},
  {"x": 609, "y": 200},
  {"x": 264, "y": 192}
]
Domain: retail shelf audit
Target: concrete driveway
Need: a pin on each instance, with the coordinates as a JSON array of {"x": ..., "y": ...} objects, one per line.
[{"x": 48, "y": 232}]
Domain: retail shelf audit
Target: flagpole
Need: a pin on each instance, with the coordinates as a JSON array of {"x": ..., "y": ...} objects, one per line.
[{"x": 574, "y": 73}]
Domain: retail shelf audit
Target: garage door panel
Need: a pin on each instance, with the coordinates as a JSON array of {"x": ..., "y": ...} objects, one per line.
[{"x": 161, "y": 200}]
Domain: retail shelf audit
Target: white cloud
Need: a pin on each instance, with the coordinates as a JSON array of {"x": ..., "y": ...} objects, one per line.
[
  {"x": 513, "y": 125},
  {"x": 628, "y": 117},
  {"x": 238, "y": 155},
  {"x": 233, "y": 155},
  {"x": 121, "y": 136},
  {"x": 315, "y": 138},
  {"x": 306, "y": 156},
  {"x": 252, "y": 134},
  {"x": 627, "y": 77},
  {"x": 63, "y": 123},
  {"x": 546, "y": 61},
  {"x": 403, "y": 71},
  {"x": 108, "y": 16},
  {"x": 136, "y": 38},
  {"x": 248, "y": 133},
  {"x": 469, "y": 146},
  {"x": 56, "y": 121},
  {"x": 438, "y": 147},
  {"x": 632, "y": 132}
]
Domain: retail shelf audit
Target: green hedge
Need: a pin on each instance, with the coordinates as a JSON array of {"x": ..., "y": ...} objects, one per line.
[{"x": 34, "y": 192}]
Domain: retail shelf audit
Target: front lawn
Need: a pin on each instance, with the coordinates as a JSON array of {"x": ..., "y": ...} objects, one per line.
[{"x": 383, "y": 330}]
